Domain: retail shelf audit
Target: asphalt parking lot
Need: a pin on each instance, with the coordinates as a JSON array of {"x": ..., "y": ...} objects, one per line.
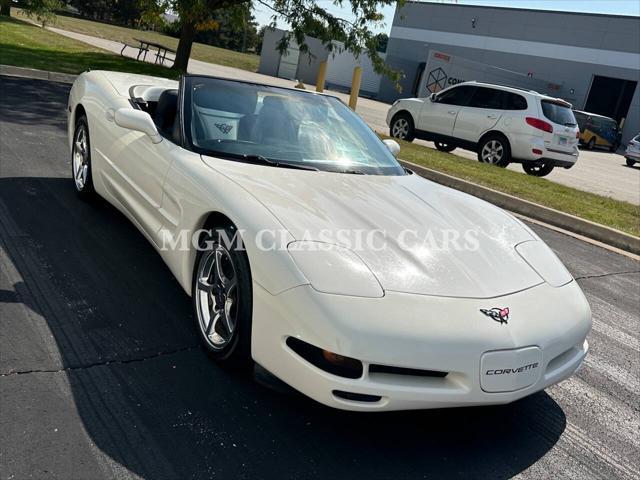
[{"x": 101, "y": 375}]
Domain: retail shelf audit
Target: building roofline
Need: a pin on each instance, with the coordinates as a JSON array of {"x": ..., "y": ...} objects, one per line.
[{"x": 495, "y": 7}]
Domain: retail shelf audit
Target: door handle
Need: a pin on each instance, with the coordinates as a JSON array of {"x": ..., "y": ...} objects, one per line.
[
  {"x": 492, "y": 117},
  {"x": 452, "y": 112}
]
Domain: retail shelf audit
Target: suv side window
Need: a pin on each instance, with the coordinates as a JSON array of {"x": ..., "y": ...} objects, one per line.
[
  {"x": 515, "y": 101},
  {"x": 487, "y": 98},
  {"x": 456, "y": 96}
]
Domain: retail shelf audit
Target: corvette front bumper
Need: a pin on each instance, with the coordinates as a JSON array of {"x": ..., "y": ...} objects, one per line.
[{"x": 547, "y": 328}]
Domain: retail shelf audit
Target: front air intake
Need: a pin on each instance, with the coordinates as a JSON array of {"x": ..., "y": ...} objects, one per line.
[
  {"x": 357, "y": 397},
  {"x": 406, "y": 371}
]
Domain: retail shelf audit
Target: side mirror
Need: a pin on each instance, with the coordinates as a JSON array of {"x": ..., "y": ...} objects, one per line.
[
  {"x": 393, "y": 146},
  {"x": 139, "y": 121},
  {"x": 432, "y": 97}
]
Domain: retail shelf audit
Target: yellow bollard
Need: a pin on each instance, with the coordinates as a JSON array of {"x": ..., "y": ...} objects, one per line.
[
  {"x": 322, "y": 75},
  {"x": 355, "y": 87}
]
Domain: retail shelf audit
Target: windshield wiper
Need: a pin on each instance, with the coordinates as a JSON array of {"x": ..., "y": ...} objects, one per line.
[{"x": 259, "y": 159}]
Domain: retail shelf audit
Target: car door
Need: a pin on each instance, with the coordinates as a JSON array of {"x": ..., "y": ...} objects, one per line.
[
  {"x": 141, "y": 166},
  {"x": 438, "y": 114},
  {"x": 481, "y": 114}
]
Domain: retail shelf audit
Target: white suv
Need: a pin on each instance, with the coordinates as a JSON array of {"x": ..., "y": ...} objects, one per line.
[{"x": 502, "y": 124}]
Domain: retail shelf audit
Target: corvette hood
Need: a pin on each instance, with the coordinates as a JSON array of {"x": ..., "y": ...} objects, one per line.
[{"x": 459, "y": 246}]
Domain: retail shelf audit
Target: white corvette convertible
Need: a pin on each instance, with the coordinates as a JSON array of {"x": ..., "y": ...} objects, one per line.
[{"x": 308, "y": 249}]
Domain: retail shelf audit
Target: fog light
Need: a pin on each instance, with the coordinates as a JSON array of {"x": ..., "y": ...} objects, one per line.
[
  {"x": 330, "y": 362},
  {"x": 537, "y": 151}
]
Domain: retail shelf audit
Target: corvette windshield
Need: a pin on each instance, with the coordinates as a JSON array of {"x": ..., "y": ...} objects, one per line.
[{"x": 281, "y": 127}]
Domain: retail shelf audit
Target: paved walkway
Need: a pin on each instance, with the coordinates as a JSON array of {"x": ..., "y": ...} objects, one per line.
[{"x": 598, "y": 172}]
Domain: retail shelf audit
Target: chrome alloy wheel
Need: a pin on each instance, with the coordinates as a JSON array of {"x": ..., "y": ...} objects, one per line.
[
  {"x": 492, "y": 152},
  {"x": 217, "y": 297},
  {"x": 400, "y": 128},
  {"x": 80, "y": 158}
]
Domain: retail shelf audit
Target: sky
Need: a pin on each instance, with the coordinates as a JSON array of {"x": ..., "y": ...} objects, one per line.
[{"x": 618, "y": 7}]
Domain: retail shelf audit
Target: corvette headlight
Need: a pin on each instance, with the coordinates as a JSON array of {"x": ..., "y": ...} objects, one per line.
[
  {"x": 334, "y": 269},
  {"x": 542, "y": 259}
]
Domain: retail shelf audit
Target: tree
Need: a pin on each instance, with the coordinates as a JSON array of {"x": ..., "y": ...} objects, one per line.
[
  {"x": 5, "y": 7},
  {"x": 302, "y": 16},
  {"x": 236, "y": 30},
  {"x": 42, "y": 10},
  {"x": 382, "y": 39}
]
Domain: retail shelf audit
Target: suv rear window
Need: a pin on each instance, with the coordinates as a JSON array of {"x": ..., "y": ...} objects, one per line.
[{"x": 558, "y": 113}]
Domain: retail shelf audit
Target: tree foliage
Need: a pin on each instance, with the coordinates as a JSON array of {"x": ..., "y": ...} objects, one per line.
[
  {"x": 41, "y": 10},
  {"x": 303, "y": 17}
]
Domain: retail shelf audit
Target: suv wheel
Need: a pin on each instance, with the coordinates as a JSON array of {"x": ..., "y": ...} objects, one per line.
[
  {"x": 494, "y": 149},
  {"x": 538, "y": 169},
  {"x": 630, "y": 162},
  {"x": 402, "y": 127},
  {"x": 445, "y": 147}
]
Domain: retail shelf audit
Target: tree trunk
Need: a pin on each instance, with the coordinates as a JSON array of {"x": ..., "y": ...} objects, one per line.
[
  {"x": 183, "y": 52},
  {"x": 5, "y": 7}
]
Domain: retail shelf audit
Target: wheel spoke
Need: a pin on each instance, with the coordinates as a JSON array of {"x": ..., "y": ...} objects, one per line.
[
  {"x": 204, "y": 285},
  {"x": 213, "y": 322}
]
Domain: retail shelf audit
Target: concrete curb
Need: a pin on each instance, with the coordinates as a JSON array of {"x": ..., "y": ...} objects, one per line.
[
  {"x": 595, "y": 231},
  {"x": 37, "y": 74}
]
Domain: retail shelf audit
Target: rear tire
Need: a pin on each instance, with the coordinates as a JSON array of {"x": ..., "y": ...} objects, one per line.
[
  {"x": 81, "y": 172},
  {"x": 591, "y": 144},
  {"x": 495, "y": 150},
  {"x": 444, "y": 147},
  {"x": 222, "y": 299},
  {"x": 538, "y": 169},
  {"x": 630, "y": 162},
  {"x": 402, "y": 127}
]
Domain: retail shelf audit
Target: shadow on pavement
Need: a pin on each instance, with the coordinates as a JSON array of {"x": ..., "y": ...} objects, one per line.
[{"x": 164, "y": 410}]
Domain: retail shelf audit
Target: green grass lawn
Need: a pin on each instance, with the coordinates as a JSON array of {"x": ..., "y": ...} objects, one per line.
[
  {"x": 623, "y": 216},
  {"x": 206, "y": 53},
  {"x": 26, "y": 45}
]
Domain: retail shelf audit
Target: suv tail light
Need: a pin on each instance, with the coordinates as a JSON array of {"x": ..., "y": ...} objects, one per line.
[
  {"x": 539, "y": 124},
  {"x": 578, "y": 134}
]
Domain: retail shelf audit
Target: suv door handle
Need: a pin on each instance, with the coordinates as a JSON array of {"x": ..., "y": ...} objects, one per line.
[
  {"x": 452, "y": 112},
  {"x": 492, "y": 117}
]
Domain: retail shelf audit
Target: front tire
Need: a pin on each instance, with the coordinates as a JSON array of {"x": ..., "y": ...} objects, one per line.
[
  {"x": 402, "y": 127},
  {"x": 495, "y": 150},
  {"x": 81, "y": 172},
  {"x": 222, "y": 298},
  {"x": 445, "y": 147},
  {"x": 630, "y": 162},
  {"x": 538, "y": 169}
]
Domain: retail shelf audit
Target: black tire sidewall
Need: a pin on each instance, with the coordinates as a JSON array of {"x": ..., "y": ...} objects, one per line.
[
  {"x": 237, "y": 353},
  {"x": 444, "y": 147},
  {"x": 546, "y": 170},
  {"x": 506, "y": 156}
]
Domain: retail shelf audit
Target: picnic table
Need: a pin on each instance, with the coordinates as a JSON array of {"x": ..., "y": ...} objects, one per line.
[{"x": 145, "y": 46}]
